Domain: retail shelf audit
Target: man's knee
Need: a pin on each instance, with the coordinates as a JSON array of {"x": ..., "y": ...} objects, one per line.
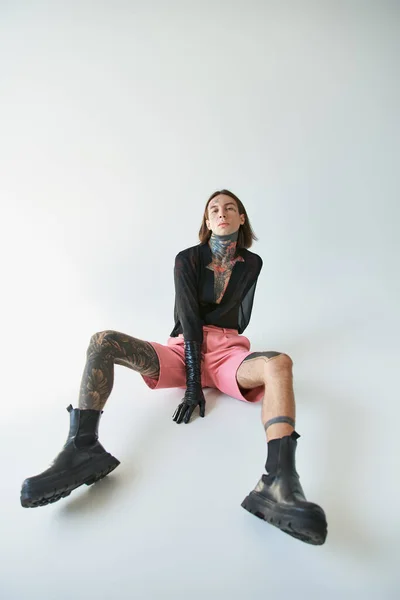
[{"x": 100, "y": 341}]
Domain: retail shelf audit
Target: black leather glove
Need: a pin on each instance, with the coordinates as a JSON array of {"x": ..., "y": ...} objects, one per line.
[{"x": 194, "y": 394}]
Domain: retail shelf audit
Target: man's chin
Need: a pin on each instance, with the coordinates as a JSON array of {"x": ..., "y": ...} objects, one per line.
[{"x": 225, "y": 231}]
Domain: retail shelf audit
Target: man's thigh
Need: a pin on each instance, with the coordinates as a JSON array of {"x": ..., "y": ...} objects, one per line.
[
  {"x": 251, "y": 371},
  {"x": 172, "y": 365}
]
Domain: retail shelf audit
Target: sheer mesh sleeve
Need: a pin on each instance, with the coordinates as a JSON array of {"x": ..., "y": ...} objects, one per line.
[
  {"x": 186, "y": 298},
  {"x": 245, "y": 308}
]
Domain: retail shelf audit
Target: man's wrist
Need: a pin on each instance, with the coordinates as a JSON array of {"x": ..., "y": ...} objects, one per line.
[{"x": 193, "y": 386}]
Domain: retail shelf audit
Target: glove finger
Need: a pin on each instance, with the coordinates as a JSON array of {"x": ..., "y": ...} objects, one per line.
[
  {"x": 182, "y": 413},
  {"x": 177, "y": 412},
  {"x": 189, "y": 413}
]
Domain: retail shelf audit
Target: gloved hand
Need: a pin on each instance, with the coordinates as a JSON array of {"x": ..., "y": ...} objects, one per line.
[{"x": 194, "y": 394}]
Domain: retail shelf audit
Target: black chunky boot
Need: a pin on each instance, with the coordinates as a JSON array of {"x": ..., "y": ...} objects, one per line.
[
  {"x": 279, "y": 499},
  {"x": 82, "y": 460}
]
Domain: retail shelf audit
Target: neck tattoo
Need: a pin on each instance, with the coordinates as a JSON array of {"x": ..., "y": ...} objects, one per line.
[{"x": 223, "y": 247}]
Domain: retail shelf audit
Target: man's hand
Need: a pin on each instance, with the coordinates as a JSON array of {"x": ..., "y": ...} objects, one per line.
[{"x": 193, "y": 397}]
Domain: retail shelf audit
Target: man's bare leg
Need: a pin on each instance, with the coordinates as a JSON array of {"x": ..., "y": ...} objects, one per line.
[
  {"x": 274, "y": 371},
  {"x": 278, "y": 497},
  {"x": 83, "y": 460}
]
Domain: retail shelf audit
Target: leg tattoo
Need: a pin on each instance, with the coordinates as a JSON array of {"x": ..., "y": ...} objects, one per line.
[
  {"x": 279, "y": 420},
  {"x": 107, "y": 348},
  {"x": 269, "y": 354}
]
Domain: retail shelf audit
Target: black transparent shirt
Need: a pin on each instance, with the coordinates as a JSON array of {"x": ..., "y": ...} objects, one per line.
[{"x": 195, "y": 304}]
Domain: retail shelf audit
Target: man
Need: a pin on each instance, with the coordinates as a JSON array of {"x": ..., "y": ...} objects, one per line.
[{"x": 215, "y": 282}]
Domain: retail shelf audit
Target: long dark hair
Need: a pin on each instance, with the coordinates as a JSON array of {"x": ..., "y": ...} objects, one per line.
[{"x": 246, "y": 234}]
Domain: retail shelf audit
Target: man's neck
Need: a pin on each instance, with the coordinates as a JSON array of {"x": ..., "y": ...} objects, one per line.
[{"x": 223, "y": 247}]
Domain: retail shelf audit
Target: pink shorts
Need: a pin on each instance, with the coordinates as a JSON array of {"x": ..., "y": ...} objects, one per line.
[{"x": 223, "y": 350}]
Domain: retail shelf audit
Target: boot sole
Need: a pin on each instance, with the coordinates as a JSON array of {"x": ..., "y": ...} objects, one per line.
[
  {"x": 310, "y": 528},
  {"x": 87, "y": 475}
]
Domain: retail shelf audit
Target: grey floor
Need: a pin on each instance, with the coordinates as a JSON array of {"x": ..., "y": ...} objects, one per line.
[{"x": 168, "y": 522}]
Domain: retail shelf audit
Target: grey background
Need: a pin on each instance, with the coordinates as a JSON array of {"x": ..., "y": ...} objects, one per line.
[{"x": 117, "y": 121}]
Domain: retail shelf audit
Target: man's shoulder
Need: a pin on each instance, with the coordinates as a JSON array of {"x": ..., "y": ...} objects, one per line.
[
  {"x": 252, "y": 258},
  {"x": 189, "y": 252}
]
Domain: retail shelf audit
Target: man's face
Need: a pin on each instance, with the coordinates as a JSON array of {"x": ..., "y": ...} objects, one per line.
[{"x": 223, "y": 215}]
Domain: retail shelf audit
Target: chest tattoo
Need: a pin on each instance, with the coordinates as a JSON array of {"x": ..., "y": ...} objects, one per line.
[{"x": 222, "y": 275}]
